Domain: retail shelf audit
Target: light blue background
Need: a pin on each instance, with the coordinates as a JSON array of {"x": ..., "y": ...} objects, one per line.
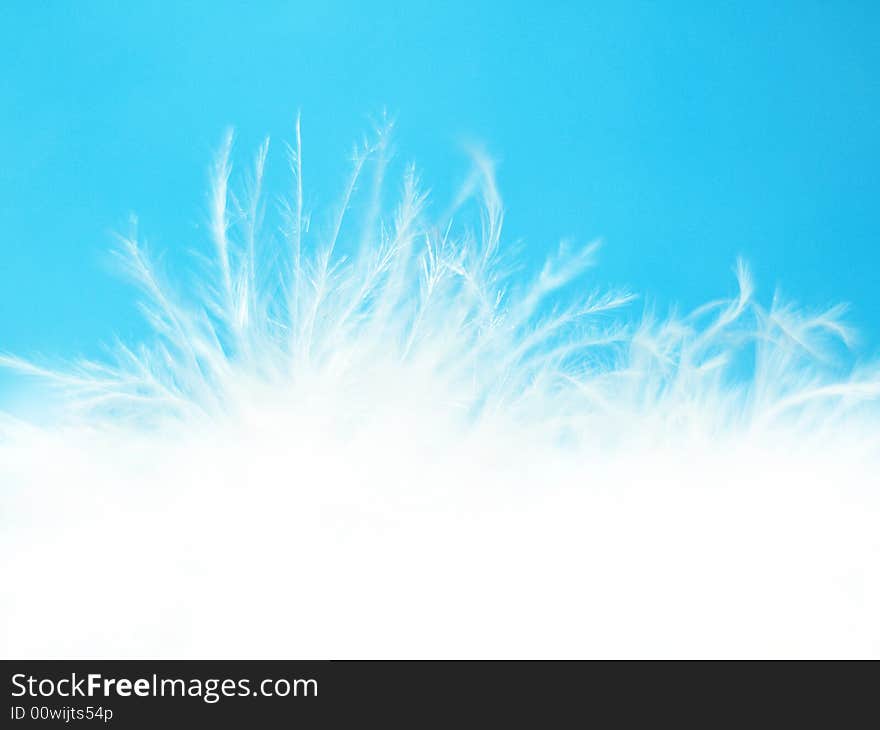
[{"x": 684, "y": 134}]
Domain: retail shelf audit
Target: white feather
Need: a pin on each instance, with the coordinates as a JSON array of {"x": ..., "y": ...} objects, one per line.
[{"x": 373, "y": 442}]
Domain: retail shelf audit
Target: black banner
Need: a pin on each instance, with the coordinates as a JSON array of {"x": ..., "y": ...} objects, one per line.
[{"x": 166, "y": 694}]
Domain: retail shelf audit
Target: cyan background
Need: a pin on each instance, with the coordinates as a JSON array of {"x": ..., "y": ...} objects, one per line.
[{"x": 683, "y": 133}]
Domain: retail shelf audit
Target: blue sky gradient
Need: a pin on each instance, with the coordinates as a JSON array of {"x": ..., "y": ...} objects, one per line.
[{"x": 684, "y": 134}]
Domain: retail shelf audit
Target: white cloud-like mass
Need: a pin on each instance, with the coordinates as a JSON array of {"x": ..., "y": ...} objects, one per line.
[{"x": 368, "y": 438}]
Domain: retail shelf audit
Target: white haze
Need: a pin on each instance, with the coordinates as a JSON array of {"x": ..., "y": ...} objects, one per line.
[{"x": 366, "y": 439}]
